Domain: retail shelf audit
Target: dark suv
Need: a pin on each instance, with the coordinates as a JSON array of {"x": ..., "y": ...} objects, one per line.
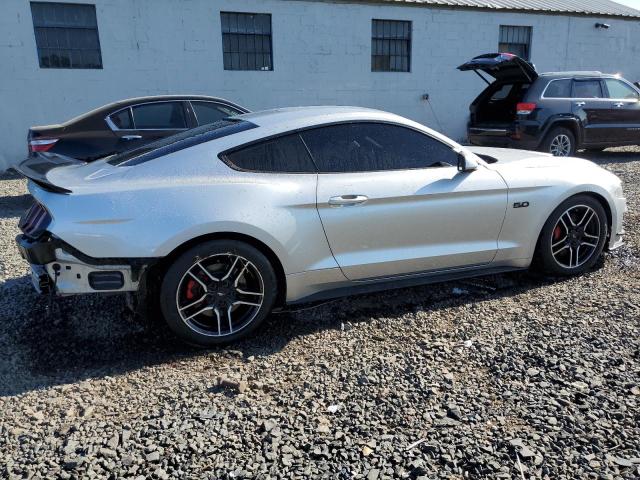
[{"x": 556, "y": 112}]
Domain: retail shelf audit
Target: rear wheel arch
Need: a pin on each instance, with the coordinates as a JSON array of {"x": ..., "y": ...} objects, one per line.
[
  {"x": 570, "y": 123},
  {"x": 157, "y": 270}
]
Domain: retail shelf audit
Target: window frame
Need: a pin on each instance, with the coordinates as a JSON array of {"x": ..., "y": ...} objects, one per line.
[
  {"x": 301, "y": 130},
  {"x": 69, "y": 27},
  {"x": 223, "y": 33},
  {"x": 409, "y": 41},
  {"x": 114, "y": 128},
  {"x": 529, "y": 40}
]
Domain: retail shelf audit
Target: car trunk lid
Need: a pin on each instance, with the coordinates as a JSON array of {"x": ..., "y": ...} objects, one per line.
[{"x": 501, "y": 66}]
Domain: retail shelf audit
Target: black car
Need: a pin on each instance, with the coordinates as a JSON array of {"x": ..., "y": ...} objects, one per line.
[
  {"x": 128, "y": 124},
  {"x": 557, "y": 112}
]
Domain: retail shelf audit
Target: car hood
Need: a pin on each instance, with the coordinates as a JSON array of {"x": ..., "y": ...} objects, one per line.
[{"x": 512, "y": 164}]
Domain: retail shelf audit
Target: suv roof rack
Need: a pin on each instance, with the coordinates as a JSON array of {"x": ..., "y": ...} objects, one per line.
[{"x": 577, "y": 72}]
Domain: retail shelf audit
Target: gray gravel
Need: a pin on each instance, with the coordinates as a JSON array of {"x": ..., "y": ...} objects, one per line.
[{"x": 505, "y": 377}]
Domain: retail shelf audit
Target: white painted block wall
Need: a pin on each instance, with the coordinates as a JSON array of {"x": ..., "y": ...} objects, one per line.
[{"x": 321, "y": 56}]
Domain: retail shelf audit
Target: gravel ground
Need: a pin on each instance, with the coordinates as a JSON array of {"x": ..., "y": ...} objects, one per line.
[{"x": 512, "y": 376}]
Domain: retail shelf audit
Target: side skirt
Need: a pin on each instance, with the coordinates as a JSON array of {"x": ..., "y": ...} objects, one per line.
[{"x": 393, "y": 284}]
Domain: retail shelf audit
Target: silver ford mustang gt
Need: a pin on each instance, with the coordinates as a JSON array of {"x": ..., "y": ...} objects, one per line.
[{"x": 221, "y": 224}]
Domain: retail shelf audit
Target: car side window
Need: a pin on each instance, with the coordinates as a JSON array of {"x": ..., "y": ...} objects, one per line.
[
  {"x": 369, "y": 147},
  {"x": 159, "y": 116},
  {"x": 558, "y": 89},
  {"x": 210, "y": 112},
  {"x": 620, "y": 90},
  {"x": 122, "y": 119},
  {"x": 285, "y": 154},
  {"x": 587, "y": 89}
]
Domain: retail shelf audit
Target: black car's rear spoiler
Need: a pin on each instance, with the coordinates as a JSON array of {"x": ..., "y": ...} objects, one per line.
[{"x": 36, "y": 168}]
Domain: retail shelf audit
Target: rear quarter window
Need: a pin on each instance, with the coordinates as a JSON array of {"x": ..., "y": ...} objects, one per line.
[
  {"x": 558, "y": 89},
  {"x": 286, "y": 154},
  {"x": 122, "y": 119}
]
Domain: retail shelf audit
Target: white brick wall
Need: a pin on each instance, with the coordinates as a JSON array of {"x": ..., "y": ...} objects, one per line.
[{"x": 321, "y": 56}]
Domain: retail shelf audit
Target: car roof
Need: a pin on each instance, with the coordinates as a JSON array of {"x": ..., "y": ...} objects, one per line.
[
  {"x": 299, "y": 117},
  {"x": 109, "y": 108}
]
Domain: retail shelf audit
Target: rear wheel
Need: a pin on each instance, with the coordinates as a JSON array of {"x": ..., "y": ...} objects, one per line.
[
  {"x": 573, "y": 237},
  {"x": 560, "y": 142},
  {"x": 218, "y": 292}
]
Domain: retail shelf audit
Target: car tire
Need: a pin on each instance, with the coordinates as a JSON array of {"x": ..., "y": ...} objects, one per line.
[
  {"x": 218, "y": 292},
  {"x": 562, "y": 246},
  {"x": 560, "y": 142}
]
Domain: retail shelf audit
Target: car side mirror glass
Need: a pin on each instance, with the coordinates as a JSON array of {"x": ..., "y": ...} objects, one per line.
[{"x": 466, "y": 163}]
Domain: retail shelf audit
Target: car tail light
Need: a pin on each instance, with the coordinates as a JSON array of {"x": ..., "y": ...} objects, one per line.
[
  {"x": 525, "y": 108},
  {"x": 35, "y": 221},
  {"x": 42, "y": 145}
]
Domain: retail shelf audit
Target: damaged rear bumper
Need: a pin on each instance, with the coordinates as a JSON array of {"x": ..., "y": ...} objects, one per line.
[{"x": 59, "y": 269}]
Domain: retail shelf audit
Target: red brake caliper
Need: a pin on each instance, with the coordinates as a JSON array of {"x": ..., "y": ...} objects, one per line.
[
  {"x": 189, "y": 294},
  {"x": 557, "y": 232}
]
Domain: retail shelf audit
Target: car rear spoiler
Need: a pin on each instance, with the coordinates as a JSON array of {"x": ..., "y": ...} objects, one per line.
[{"x": 36, "y": 167}]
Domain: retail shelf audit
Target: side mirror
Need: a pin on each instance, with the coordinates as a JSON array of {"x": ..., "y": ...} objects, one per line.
[{"x": 466, "y": 162}]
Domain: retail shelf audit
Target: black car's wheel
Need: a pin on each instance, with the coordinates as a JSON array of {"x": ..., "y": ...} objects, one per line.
[
  {"x": 560, "y": 142},
  {"x": 218, "y": 292},
  {"x": 573, "y": 237}
]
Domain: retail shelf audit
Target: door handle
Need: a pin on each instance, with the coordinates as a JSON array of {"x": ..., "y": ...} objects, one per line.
[
  {"x": 618, "y": 104},
  {"x": 580, "y": 104},
  {"x": 347, "y": 200},
  {"x": 131, "y": 137}
]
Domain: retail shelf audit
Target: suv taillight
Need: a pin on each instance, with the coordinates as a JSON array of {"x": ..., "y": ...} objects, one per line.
[
  {"x": 525, "y": 108},
  {"x": 42, "y": 145}
]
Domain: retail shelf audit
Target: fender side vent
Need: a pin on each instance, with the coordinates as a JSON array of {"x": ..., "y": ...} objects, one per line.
[{"x": 106, "y": 280}]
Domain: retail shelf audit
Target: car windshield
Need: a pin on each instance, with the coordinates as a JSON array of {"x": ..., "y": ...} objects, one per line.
[{"x": 180, "y": 141}]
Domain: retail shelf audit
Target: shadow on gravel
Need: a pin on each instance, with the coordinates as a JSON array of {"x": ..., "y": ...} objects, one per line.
[
  {"x": 14, "y": 206},
  {"x": 91, "y": 336},
  {"x": 610, "y": 157}
]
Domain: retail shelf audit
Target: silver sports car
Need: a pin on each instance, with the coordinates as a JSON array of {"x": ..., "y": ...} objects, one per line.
[{"x": 221, "y": 224}]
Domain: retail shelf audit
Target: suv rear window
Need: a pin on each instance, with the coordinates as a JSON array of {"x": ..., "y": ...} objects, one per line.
[
  {"x": 180, "y": 141},
  {"x": 558, "y": 89}
]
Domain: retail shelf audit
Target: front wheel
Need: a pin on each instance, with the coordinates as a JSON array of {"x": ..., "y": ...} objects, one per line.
[
  {"x": 573, "y": 237},
  {"x": 218, "y": 292},
  {"x": 560, "y": 142}
]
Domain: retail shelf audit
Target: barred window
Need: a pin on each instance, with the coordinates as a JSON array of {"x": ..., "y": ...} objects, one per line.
[
  {"x": 516, "y": 40},
  {"x": 246, "y": 41},
  {"x": 390, "y": 46},
  {"x": 66, "y": 35}
]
